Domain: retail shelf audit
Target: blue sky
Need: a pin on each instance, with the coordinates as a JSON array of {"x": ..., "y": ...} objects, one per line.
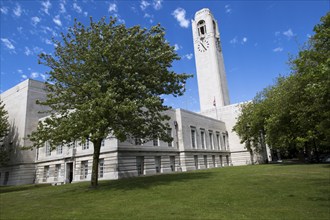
[{"x": 257, "y": 37}]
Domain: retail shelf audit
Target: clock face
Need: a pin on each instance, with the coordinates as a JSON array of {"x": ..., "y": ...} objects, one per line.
[{"x": 203, "y": 45}]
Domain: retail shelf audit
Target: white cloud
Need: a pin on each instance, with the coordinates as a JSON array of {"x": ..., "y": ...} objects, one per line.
[
  {"x": 57, "y": 20},
  {"x": 85, "y": 13},
  {"x": 17, "y": 10},
  {"x": 77, "y": 8},
  {"x": 144, "y": 4},
  {"x": 180, "y": 16},
  {"x": 35, "y": 20},
  {"x": 34, "y": 75},
  {"x": 244, "y": 40},
  {"x": 27, "y": 51},
  {"x": 62, "y": 8},
  {"x": 24, "y": 76},
  {"x": 4, "y": 10},
  {"x": 277, "y": 33},
  {"x": 157, "y": 4},
  {"x": 176, "y": 47},
  {"x": 288, "y": 33},
  {"x": 188, "y": 56},
  {"x": 278, "y": 49},
  {"x": 228, "y": 9},
  {"x": 46, "y": 6},
  {"x": 120, "y": 20},
  {"x": 112, "y": 7},
  {"x": 8, "y": 44},
  {"x": 20, "y": 71},
  {"x": 234, "y": 40},
  {"x": 150, "y": 17},
  {"x": 19, "y": 29},
  {"x": 43, "y": 76},
  {"x": 37, "y": 50},
  {"x": 47, "y": 41}
]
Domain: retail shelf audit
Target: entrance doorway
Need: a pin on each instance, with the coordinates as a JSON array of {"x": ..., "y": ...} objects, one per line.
[{"x": 69, "y": 172}]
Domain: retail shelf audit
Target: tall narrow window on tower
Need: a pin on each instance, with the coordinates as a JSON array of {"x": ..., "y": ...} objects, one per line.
[{"x": 201, "y": 28}]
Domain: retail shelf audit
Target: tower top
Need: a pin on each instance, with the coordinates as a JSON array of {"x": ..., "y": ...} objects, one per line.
[{"x": 202, "y": 13}]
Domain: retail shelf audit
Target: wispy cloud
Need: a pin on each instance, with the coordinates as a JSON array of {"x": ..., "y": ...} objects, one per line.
[
  {"x": 144, "y": 4},
  {"x": 228, "y": 9},
  {"x": 62, "y": 8},
  {"x": 77, "y": 8},
  {"x": 46, "y": 6},
  {"x": 8, "y": 44},
  {"x": 24, "y": 76},
  {"x": 234, "y": 40},
  {"x": 4, "y": 10},
  {"x": 189, "y": 56},
  {"x": 289, "y": 34},
  {"x": 28, "y": 52},
  {"x": 157, "y": 4},
  {"x": 34, "y": 75},
  {"x": 177, "y": 47},
  {"x": 17, "y": 10},
  {"x": 35, "y": 20},
  {"x": 244, "y": 40},
  {"x": 112, "y": 7},
  {"x": 149, "y": 16},
  {"x": 278, "y": 49},
  {"x": 57, "y": 20},
  {"x": 180, "y": 15}
]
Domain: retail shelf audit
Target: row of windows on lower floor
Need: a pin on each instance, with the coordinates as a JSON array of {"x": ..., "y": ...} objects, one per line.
[{"x": 85, "y": 168}]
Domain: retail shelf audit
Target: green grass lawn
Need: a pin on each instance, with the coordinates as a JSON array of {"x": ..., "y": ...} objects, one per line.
[{"x": 246, "y": 192}]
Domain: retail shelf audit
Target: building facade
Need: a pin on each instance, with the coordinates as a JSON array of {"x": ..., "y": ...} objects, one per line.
[{"x": 200, "y": 140}]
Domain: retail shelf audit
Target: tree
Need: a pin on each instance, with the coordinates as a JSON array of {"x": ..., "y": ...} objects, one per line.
[
  {"x": 294, "y": 113},
  {"x": 4, "y": 129},
  {"x": 108, "y": 79}
]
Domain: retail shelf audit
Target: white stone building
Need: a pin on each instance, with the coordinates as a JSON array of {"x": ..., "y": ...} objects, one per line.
[{"x": 201, "y": 140}]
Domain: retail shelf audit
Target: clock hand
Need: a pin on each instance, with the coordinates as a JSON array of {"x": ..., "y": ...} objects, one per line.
[{"x": 203, "y": 45}]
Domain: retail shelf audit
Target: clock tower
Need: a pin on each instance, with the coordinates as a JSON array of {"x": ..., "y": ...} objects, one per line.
[{"x": 211, "y": 75}]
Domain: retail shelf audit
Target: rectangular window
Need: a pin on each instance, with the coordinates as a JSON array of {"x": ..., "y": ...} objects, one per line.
[
  {"x": 211, "y": 140},
  {"x": 155, "y": 142},
  {"x": 169, "y": 133},
  {"x": 205, "y": 161},
  {"x": 85, "y": 145},
  {"x": 84, "y": 169},
  {"x": 172, "y": 163},
  {"x": 140, "y": 165},
  {"x": 218, "y": 141},
  {"x": 48, "y": 150},
  {"x": 57, "y": 172},
  {"x": 213, "y": 160},
  {"x": 158, "y": 164},
  {"x": 196, "y": 161},
  {"x": 220, "y": 157},
  {"x": 5, "y": 181},
  {"x": 224, "y": 141},
  {"x": 227, "y": 160},
  {"x": 59, "y": 149},
  {"x": 203, "y": 139},
  {"x": 193, "y": 138},
  {"x": 46, "y": 173},
  {"x": 101, "y": 168}
]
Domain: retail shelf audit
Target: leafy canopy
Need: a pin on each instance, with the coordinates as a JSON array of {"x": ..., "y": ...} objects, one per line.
[
  {"x": 295, "y": 112},
  {"x": 108, "y": 79}
]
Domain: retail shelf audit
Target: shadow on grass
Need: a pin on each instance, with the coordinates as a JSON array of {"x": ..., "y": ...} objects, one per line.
[
  {"x": 146, "y": 182},
  {"x": 7, "y": 189}
]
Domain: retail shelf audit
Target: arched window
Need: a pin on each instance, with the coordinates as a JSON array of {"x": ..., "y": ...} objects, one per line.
[{"x": 201, "y": 28}]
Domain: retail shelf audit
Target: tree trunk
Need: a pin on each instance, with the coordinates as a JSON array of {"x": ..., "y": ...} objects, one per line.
[{"x": 95, "y": 168}]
